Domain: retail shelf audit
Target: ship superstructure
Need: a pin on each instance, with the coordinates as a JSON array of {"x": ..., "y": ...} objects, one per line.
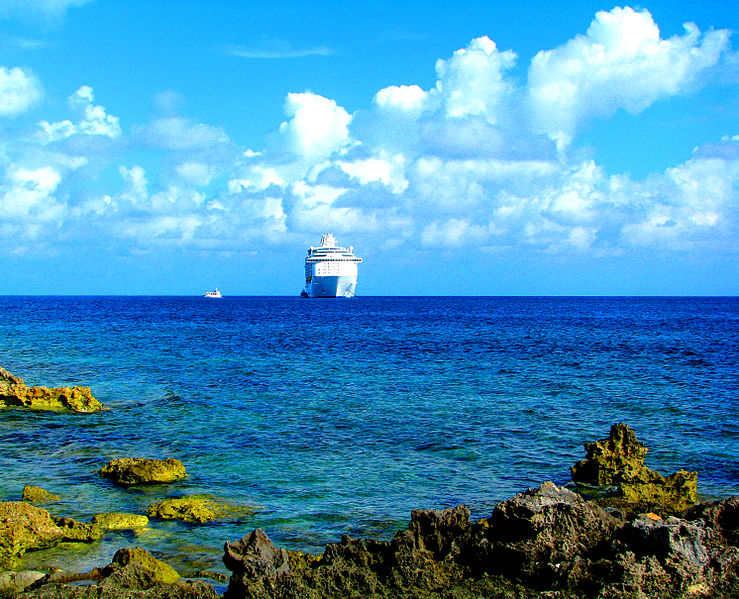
[{"x": 330, "y": 270}]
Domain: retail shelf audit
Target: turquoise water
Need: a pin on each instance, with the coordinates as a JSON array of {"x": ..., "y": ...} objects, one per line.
[{"x": 339, "y": 417}]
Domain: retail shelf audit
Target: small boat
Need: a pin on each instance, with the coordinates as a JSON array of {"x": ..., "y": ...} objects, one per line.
[{"x": 214, "y": 293}]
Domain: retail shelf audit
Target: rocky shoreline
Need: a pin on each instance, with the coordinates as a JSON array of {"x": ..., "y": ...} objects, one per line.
[{"x": 641, "y": 535}]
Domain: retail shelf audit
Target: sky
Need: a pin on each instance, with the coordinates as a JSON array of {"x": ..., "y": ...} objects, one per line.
[{"x": 462, "y": 148}]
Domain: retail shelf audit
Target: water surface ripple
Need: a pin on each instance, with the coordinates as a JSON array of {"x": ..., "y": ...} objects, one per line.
[{"x": 341, "y": 416}]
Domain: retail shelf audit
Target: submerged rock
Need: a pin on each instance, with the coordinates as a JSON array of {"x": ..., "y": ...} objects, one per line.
[
  {"x": 619, "y": 461},
  {"x": 24, "y": 527},
  {"x": 15, "y": 393},
  {"x": 197, "y": 509},
  {"x": 547, "y": 542},
  {"x": 119, "y": 521},
  {"x": 37, "y": 495},
  {"x": 142, "y": 471}
]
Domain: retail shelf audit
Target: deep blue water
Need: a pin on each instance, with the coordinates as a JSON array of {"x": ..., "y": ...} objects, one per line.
[{"x": 341, "y": 416}]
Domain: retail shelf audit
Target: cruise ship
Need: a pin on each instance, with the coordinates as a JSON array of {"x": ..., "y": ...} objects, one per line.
[{"x": 330, "y": 270}]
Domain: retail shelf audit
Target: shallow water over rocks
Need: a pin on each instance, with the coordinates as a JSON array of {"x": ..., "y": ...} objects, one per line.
[{"x": 341, "y": 417}]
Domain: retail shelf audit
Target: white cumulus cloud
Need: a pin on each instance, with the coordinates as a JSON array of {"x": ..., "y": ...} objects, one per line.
[
  {"x": 473, "y": 81},
  {"x": 93, "y": 119},
  {"x": 19, "y": 90},
  {"x": 407, "y": 98},
  {"x": 472, "y": 160},
  {"x": 317, "y": 127},
  {"x": 620, "y": 63}
]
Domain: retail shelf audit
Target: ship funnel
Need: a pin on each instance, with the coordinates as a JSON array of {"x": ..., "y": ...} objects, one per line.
[{"x": 328, "y": 240}]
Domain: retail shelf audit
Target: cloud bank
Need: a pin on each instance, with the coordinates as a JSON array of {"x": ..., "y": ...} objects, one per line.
[
  {"x": 481, "y": 160},
  {"x": 44, "y": 10}
]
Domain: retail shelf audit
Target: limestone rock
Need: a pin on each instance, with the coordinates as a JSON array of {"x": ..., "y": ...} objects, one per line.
[
  {"x": 197, "y": 509},
  {"x": 114, "y": 587},
  {"x": 546, "y": 542},
  {"x": 138, "y": 471},
  {"x": 14, "y": 582},
  {"x": 160, "y": 571},
  {"x": 540, "y": 535},
  {"x": 133, "y": 574},
  {"x": 38, "y": 495},
  {"x": 420, "y": 562},
  {"x": 119, "y": 521},
  {"x": 10, "y": 384},
  {"x": 677, "y": 492},
  {"x": 619, "y": 461},
  {"x": 24, "y": 527},
  {"x": 15, "y": 393},
  {"x": 720, "y": 516},
  {"x": 611, "y": 461},
  {"x": 77, "y": 532}
]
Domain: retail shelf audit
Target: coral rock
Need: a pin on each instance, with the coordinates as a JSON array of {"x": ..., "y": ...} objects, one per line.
[
  {"x": 119, "y": 521},
  {"x": 15, "y": 393},
  {"x": 538, "y": 536},
  {"x": 14, "y": 582},
  {"x": 160, "y": 571},
  {"x": 195, "y": 509},
  {"x": 133, "y": 574},
  {"x": 24, "y": 527},
  {"x": 546, "y": 542},
  {"x": 138, "y": 471},
  {"x": 37, "y": 495},
  {"x": 619, "y": 460}
]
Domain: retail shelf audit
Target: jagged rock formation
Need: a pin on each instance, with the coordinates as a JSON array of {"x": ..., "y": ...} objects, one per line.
[
  {"x": 15, "y": 393},
  {"x": 546, "y": 542},
  {"x": 24, "y": 527},
  {"x": 143, "y": 471},
  {"x": 619, "y": 461},
  {"x": 196, "y": 509},
  {"x": 37, "y": 495}
]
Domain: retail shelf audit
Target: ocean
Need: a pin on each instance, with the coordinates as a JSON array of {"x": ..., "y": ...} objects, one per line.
[{"x": 335, "y": 417}]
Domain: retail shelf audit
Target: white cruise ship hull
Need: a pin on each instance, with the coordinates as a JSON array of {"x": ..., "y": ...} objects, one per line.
[
  {"x": 327, "y": 286},
  {"x": 330, "y": 270}
]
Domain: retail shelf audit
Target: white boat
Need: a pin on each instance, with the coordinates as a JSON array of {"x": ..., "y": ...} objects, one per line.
[
  {"x": 214, "y": 293},
  {"x": 330, "y": 270}
]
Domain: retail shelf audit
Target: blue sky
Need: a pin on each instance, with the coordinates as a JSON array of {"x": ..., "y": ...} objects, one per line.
[{"x": 481, "y": 148}]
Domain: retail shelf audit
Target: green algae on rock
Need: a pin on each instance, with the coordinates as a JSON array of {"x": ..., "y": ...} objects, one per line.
[
  {"x": 119, "y": 521},
  {"x": 15, "y": 394},
  {"x": 133, "y": 574},
  {"x": 143, "y": 471},
  {"x": 161, "y": 571},
  {"x": 619, "y": 461},
  {"x": 25, "y": 527},
  {"x": 196, "y": 509},
  {"x": 33, "y": 494}
]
